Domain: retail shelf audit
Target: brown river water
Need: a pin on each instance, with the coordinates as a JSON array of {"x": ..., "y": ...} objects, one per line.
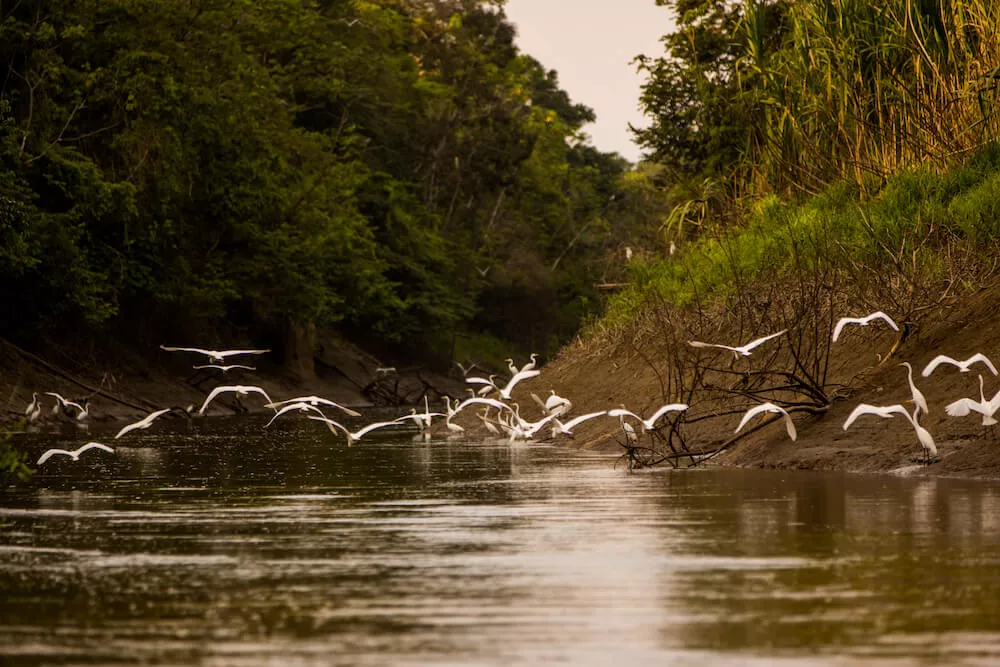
[{"x": 223, "y": 544}]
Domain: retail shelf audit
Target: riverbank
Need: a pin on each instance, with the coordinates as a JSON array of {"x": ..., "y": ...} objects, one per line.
[{"x": 603, "y": 373}]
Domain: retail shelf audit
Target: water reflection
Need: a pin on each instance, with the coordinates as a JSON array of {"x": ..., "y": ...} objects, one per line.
[{"x": 231, "y": 546}]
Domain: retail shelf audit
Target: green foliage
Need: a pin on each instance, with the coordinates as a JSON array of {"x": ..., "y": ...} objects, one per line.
[
  {"x": 238, "y": 165},
  {"x": 13, "y": 462}
]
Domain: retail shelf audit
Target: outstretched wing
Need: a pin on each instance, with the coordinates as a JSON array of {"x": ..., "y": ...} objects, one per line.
[
  {"x": 698, "y": 343},
  {"x": 840, "y": 326},
  {"x": 228, "y": 353},
  {"x": 884, "y": 412},
  {"x": 756, "y": 410},
  {"x": 979, "y": 356},
  {"x": 937, "y": 361},
  {"x": 670, "y": 407},
  {"x": 49, "y": 454},
  {"x": 187, "y": 349},
  {"x": 95, "y": 445},
  {"x": 520, "y": 375},
  {"x": 963, "y": 407},
  {"x": 752, "y": 344},
  {"x": 142, "y": 423},
  {"x": 879, "y": 315},
  {"x": 582, "y": 418}
]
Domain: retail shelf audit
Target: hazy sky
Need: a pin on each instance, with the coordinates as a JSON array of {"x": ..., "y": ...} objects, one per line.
[{"x": 590, "y": 44}]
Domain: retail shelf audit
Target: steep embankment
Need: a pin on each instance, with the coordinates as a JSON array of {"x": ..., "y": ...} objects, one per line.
[{"x": 596, "y": 377}]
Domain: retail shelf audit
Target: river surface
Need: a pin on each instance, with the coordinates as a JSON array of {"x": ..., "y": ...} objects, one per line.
[{"x": 226, "y": 545}]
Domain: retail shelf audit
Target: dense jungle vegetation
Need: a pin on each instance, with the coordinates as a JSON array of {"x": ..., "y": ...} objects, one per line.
[{"x": 222, "y": 170}]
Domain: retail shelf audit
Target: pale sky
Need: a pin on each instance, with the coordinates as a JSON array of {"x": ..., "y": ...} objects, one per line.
[{"x": 590, "y": 43}]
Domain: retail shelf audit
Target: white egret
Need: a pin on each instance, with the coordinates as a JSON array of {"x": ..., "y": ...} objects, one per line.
[
  {"x": 518, "y": 377},
  {"x": 531, "y": 364},
  {"x": 567, "y": 427},
  {"x": 353, "y": 437},
  {"x": 511, "y": 367},
  {"x": 65, "y": 403},
  {"x": 769, "y": 407},
  {"x": 34, "y": 409},
  {"x": 987, "y": 409},
  {"x": 490, "y": 402},
  {"x": 213, "y": 355},
  {"x": 314, "y": 401},
  {"x": 143, "y": 423},
  {"x": 648, "y": 424},
  {"x": 742, "y": 350},
  {"x": 238, "y": 389},
  {"x": 488, "y": 384},
  {"x": 963, "y": 366},
  {"x": 75, "y": 454},
  {"x": 422, "y": 419},
  {"x": 885, "y": 412},
  {"x": 630, "y": 435},
  {"x": 466, "y": 369},
  {"x": 918, "y": 396},
  {"x": 863, "y": 321},
  {"x": 553, "y": 405},
  {"x": 225, "y": 369},
  {"x": 301, "y": 407}
]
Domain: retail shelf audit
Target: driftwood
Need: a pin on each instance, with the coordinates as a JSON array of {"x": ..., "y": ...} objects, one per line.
[{"x": 137, "y": 404}]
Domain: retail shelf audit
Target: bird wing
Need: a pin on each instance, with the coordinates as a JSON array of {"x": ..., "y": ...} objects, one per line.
[
  {"x": 540, "y": 402},
  {"x": 937, "y": 361},
  {"x": 756, "y": 410},
  {"x": 520, "y": 375},
  {"x": 582, "y": 418},
  {"x": 142, "y": 423},
  {"x": 790, "y": 427},
  {"x": 94, "y": 445},
  {"x": 622, "y": 412},
  {"x": 882, "y": 411},
  {"x": 251, "y": 388},
  {"x": 964, "y": 406},
  {"x": 62, "y": 401},
  {"x": 879, "y": 315},
  {"x": 330, "y": 425},
  {"x": 371, "y": 427},
  {"x": 334, "y": 404},
  {"x": 49, "y": 454},
  {"x": 294, "y": 406},
  {"x": 752, "y": 344},
  {"x": 187, "y": 349},
  {"x": 670, "y": 407},
  {"x": 698, "y": 343},
  {"x": 979, "y": 356},
  {"x": 484, "y": 401},
  {"x": 215, "y": 392},
  {"x": 840, "y": 325},
  {"x": 228, "y": 353},
  {"x": 478, "y": 380}
]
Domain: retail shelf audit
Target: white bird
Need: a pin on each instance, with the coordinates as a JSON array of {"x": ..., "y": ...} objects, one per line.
[
  {"x": 226, "y": 368},
  {"x": 64, "y": 403},
  {"x": 769, "y": 407},
  {"x": 353, "y": 437},
  {"x": 422, "y": 419},
  {"x": 213, "y": 355},
  {"x": 744, "y": 350},
  {"x": 554, "y": 405},
  {"x": 518, "y": 377},
  {"x": 511, "y": 367},
  {"x": 34, "y": 409},
  {"x": 531, "y": 364},
  {"x": 238, "y": 389},
  {"x": 75, "y": 454},
  {"x": 987, "y": 409},
  {"x": 314, "y": 401},
  {"x": 885, "y": 412},
  {"x": 143, "y": 423},
  {"x": 918, "y": 396},
  {"x": 963, "y": 366},
  {"x": 924, "y": 436},
  {"x": 466, "y": 369},
  {"x": 648, "y": 424},
  {"x": 490, "y": 402},
  {"x": 487, "y": 424},
  {"x": 488, "y": 385},
  {"x": 630, "y": 435},
  {"x": 863, "y": 321},
  {"x": 302, "y": 407},
  {"x": 567, "y": 427}
]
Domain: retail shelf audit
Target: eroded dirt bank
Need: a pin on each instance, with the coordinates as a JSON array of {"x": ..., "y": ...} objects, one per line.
[{"x": 629, "y": 372}]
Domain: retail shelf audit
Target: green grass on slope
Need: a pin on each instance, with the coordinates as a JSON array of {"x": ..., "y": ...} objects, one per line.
[{"x": 829, "y": 228}]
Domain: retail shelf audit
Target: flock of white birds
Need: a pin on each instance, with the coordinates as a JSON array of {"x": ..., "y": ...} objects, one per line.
[{"x": 491, "y": 402}]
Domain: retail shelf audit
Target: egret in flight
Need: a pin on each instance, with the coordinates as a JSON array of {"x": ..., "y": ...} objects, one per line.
[
  {"x": 143, "y": 423},
  {"x": 648, "y": 424},
  {"x": 315, "y": 401},
  {"x": 353, "y": 437},
  {"x": 518, "y": 377},
  {"x": 737, "y": 351},
  {"x": 885, "y": 412},
  {"x": 561, "y": 428},
  {"x": 769, "y": 407},
  {"x": 987, "y": 409},
  {"x": 75, "y": 454},
  {"x": 225, "y": 369},
  {"x": 554, "y": 405},
  {"x": 238, "y": 389},
  {"x": 963, "y": 366},
  {"x": 213, "y": 355},
  {"x": 863, "y": 321}
]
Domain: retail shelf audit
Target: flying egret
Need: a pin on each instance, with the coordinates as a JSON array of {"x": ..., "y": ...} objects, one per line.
[
  {"x": 987, "y": 409},
  {"x": 75, "y": 454},
  {"x": 918, "y": 396},
  {"x": 143, "y": 423},
  {"x": 963, "y": 366},
  {"x": 553, "y": 405},
  {"x": 466, "y": 369},
  {"x": 213, "y": 355},
  {"x": 65, "y": 403},
  {"x": 238, "y": 389},
  {"x": 490, "y": 402},
  {"x": 744, "y": 350},
  {"x": 885, "y": 412},
  {"x": 567, "y": 427},
  {"x": 863, "y": 321},
  {"x": 488, "y": 384},
  {"x": 648, "y": 424},
  {"x": 225, "y": 369},
  {"x": 769, "y": 407},
  {"x": 301, "y": 407},
  {"x": 518, "y": 377},
  {"x": 353, "y": 437},
  {"x": 314, "y": 401}
]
